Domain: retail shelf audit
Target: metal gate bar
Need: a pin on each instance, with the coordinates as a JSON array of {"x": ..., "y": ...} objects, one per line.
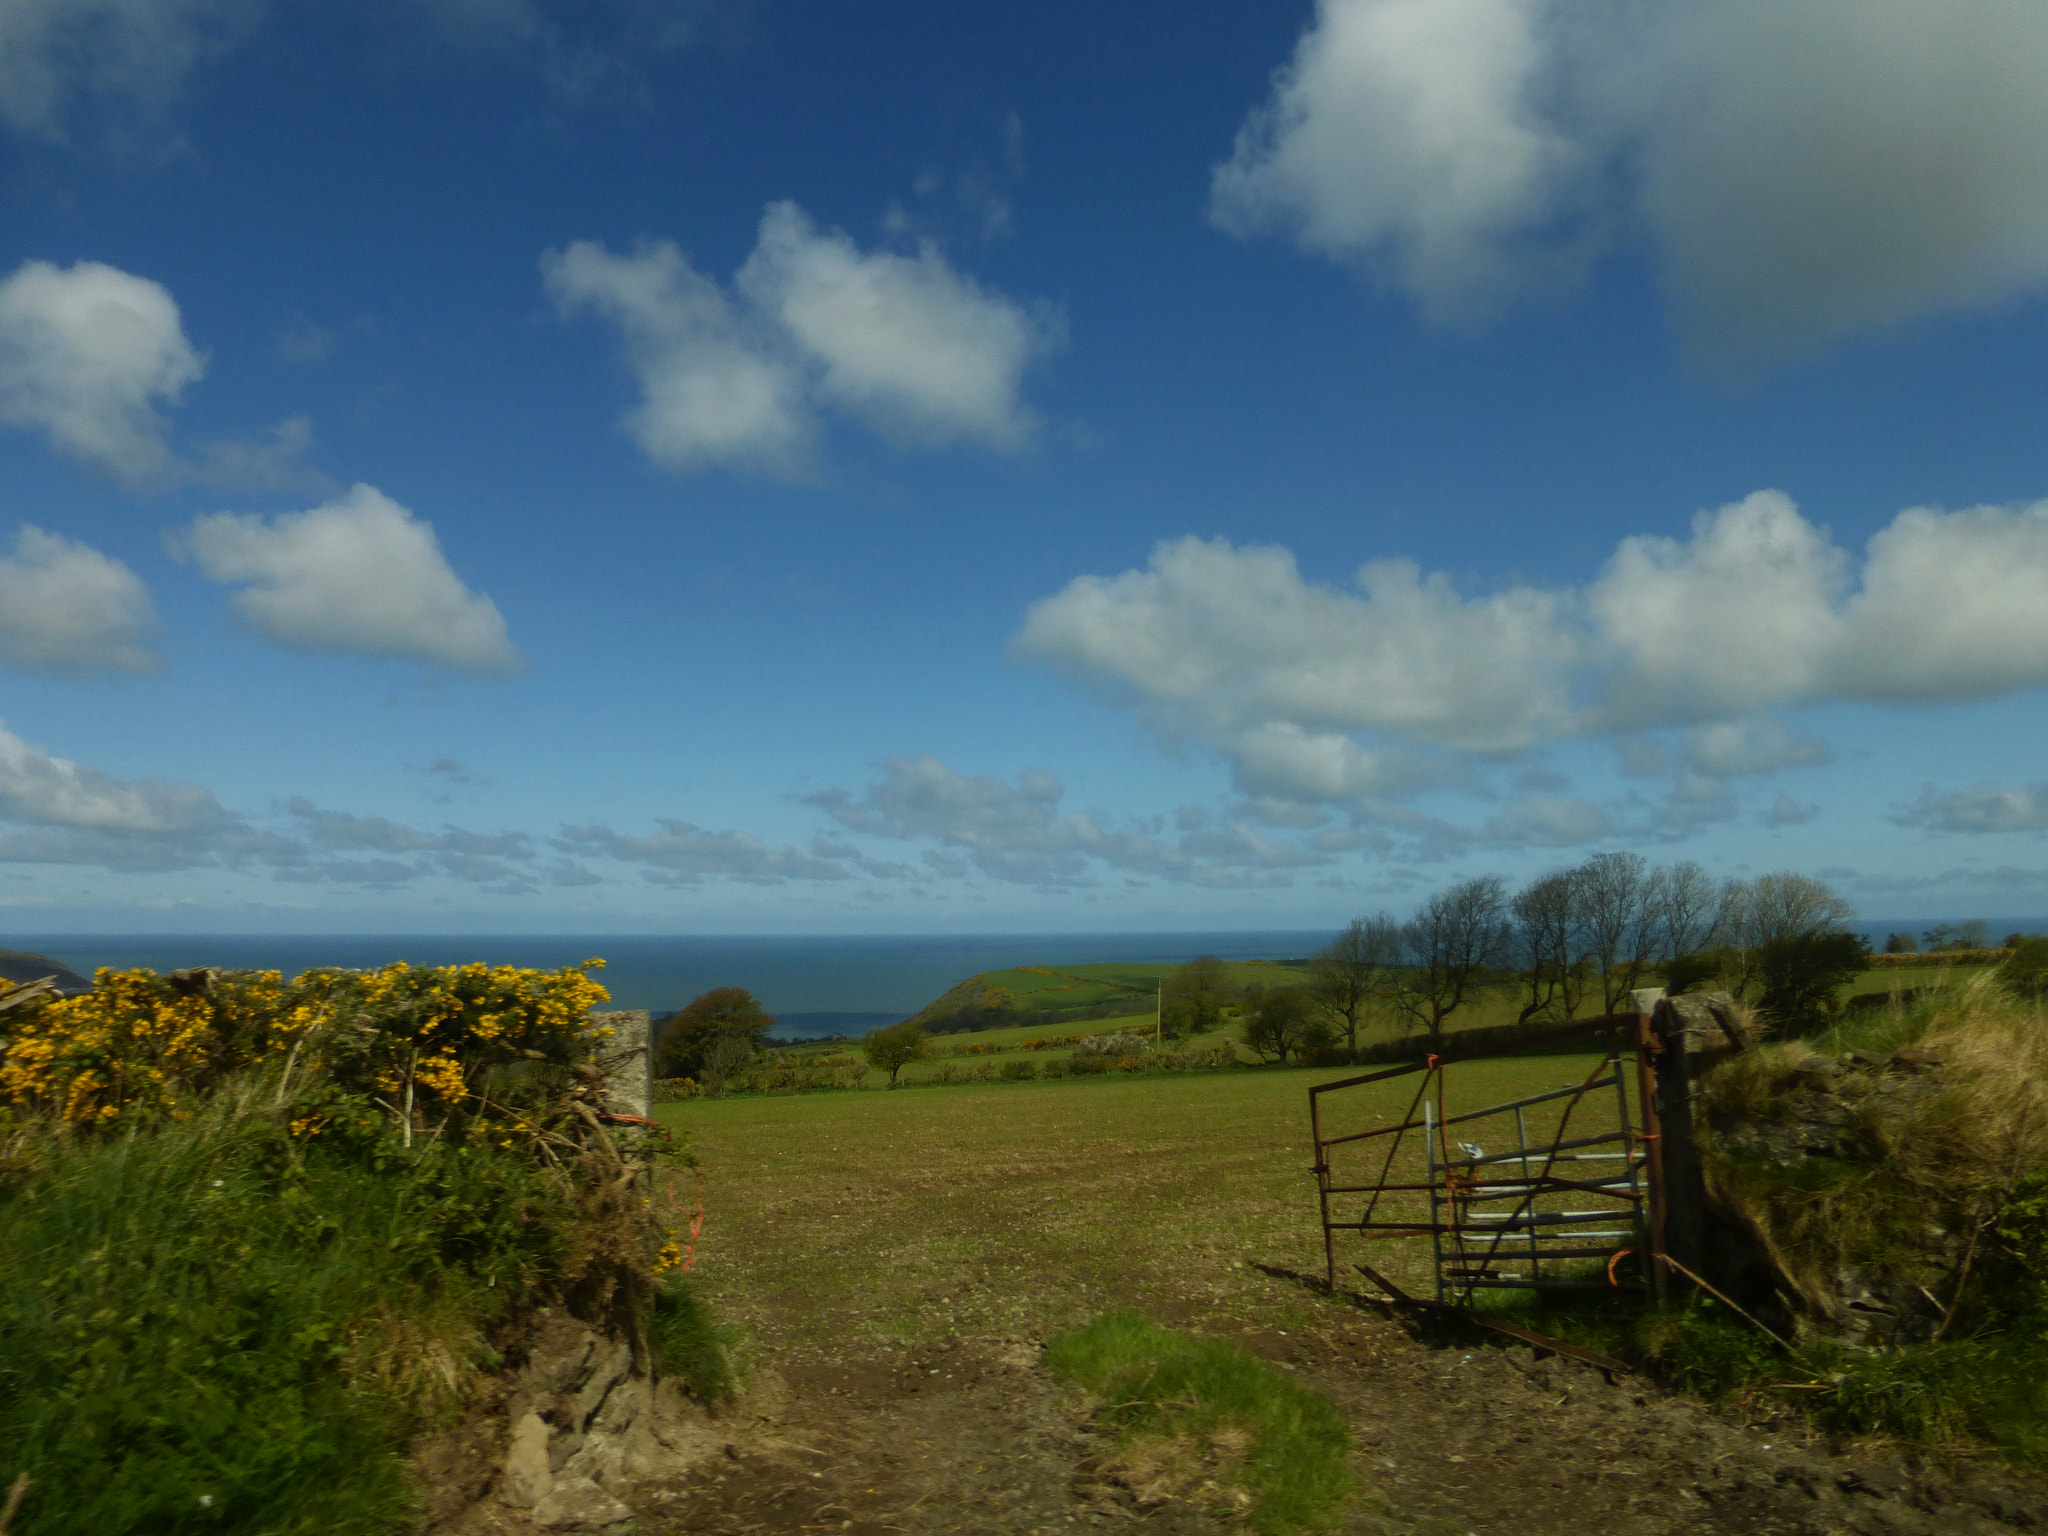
[{"x": 1470, "y": 1247}]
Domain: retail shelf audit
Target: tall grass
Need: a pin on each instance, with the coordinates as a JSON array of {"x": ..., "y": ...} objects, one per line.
[
  {"x": 1943, "y": 1177},
  {"x": 1208, "y": 1407},
  {"x": 209, "y": 1326}
]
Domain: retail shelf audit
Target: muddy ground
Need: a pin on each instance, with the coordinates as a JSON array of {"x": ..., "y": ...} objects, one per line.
[{"x": 971, "y": 1435}]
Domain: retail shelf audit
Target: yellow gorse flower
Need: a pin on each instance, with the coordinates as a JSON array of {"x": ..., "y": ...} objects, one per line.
[{"x": 140, "y": 1041}]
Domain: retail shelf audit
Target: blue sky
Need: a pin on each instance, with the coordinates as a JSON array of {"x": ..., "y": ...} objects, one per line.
[{"x": 730, "y": 466}]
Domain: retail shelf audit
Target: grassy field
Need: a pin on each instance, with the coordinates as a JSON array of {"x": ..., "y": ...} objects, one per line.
[
  {"x": 1025, "y": 1208},
  {"x": 1048, "y": 988}
]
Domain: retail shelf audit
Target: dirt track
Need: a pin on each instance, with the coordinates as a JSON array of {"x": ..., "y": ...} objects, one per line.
[{"x": 970, "y": 1435}]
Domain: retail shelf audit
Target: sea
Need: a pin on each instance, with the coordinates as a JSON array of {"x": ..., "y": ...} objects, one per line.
[{"x": 815, "y": 986}]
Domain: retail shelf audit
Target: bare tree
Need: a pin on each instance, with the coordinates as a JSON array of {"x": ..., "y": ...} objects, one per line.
[
  {"x": 1789, "y": 906},
  {"x": 1450, "y": 943},
  {"x": 1777, "y": 906},
  {"x": 1614, "y": 889},
  {"x": 1353, "y": 967},
  {"x": 1550, "y": 946},
  {"x": 1683, "y": 900}
]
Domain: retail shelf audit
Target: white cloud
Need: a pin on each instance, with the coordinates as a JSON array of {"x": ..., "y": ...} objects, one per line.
[
  {"x": 1758, "y": 609},
  {"x": 1232, "y": 645},
  {"x": 360, "y": 574},
  {"x": 86, "y": 354},
  {"x": 1756, "y": 575},
  {"x": 1951, "y": 607},
  {"x": 714, "y": 389},
  {"x": 1401, "y": 134},
  {"x": 130, "y": 56},
  {"x": 918, "y": 351},
  {"x": 65, "y": 607},
  {"x": 47, "y": 791},
  {"x": 1981, "y": 808},
  {"x": 1805, "y": 171}
]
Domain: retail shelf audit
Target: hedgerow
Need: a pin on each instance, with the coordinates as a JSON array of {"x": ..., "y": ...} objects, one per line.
[{"x": 256, "y": 1234}]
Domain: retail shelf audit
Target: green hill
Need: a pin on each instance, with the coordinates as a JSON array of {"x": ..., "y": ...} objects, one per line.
[{"x": 1046, "y": 994}]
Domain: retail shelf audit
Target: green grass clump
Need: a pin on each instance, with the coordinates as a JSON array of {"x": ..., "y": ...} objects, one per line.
[
  {"x": 1161, "y": 1386},
  {"x": 688, "y": 1343},
  {"x": 207, "y": 1326}
]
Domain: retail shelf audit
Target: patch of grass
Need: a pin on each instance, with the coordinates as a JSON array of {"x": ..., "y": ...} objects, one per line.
[
  {"x": 1287, "y": 1448},
  {"x": 688, "y": 1344},
  {"x": 207, "y": 1327}
]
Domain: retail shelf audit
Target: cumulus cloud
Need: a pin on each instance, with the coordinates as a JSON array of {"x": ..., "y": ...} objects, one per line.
[
  {"x": 1981, "y": 808},
  {"x": 130, "y": 57},
  {"x": 921, "y": 352},
  {"x": 65, "y": 607},
  {"x": 360, "y": 574},
  {"x": 1402, "y": 133},
  {"x": 1759, "y": 609},
  {"x": 714, "y": 386},
  {"x": 1804, "y": 171},
  {"x": 87, "y": 353},
  {"x": 918, "y": 351}
]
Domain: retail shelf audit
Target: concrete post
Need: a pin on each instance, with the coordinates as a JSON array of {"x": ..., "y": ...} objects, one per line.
[{"x": 626, "y": 1061}]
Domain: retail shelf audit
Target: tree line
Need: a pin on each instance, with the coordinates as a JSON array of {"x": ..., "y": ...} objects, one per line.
[{"x": 1575, "y": 941}]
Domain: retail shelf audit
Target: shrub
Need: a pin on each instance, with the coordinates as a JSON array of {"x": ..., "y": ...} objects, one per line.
[
  {"x": 2026, "y": 969},
  {"x": 1800, "y": 975},
  {"x": 453, "y": 1044},
  {"x": 1019, "y": 1071},
  {"x": 1282, "y": 1022},
  {"x": 1121, "y": 1043}
]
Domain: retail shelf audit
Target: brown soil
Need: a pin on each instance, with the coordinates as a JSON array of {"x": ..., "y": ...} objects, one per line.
[{"x": 970, "y": 1435}]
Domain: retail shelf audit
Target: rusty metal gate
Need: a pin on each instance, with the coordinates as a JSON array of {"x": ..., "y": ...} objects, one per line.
[{"x": 1557, "y": 1190}]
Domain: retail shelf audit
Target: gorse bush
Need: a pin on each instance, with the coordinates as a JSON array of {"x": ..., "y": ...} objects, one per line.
[{"x": 429, "y": 1037}]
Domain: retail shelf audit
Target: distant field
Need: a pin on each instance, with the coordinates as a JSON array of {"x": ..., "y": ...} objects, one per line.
[
  {"x": 1494, "y": 1005},
  {"x": 1028, "y": 1207},
  {"x": 1049, "y": 989}
]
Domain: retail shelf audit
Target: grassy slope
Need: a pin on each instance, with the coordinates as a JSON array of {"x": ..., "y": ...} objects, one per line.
[
  {"x": 1048, "y": 988},
  {"x": 206, "y": 1327}
]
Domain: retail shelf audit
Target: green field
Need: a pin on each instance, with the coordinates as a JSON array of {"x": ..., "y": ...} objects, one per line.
[
  {"x": 1051, "y": 989},
  {"x": 1026, "y": 1208},
  {"x": 959, "y": 1050}
]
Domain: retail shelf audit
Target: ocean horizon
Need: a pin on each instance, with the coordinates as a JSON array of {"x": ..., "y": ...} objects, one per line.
[{"x": 815, "y": 985}]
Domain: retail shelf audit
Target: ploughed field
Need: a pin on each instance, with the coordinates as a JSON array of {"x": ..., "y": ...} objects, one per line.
[{"x": 892, "y": 1264}]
